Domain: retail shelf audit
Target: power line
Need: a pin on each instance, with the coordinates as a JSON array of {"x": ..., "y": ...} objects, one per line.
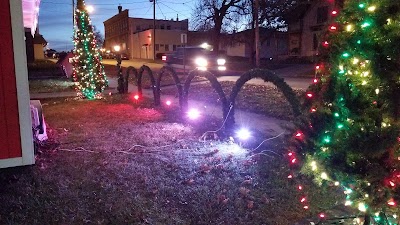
[
  {"x": 175, "y": 11},
  {"x": 161, "y": 10}
]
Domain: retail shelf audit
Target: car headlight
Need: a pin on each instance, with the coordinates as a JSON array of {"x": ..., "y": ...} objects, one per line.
[
  {"x": 201, "y": 62},
  {"x": 221, "y": 62}
]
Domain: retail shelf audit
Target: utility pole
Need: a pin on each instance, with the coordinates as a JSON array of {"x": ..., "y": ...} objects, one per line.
[
  {"x": 154, "y": 29},
  {"x": 257, "y": 35}
]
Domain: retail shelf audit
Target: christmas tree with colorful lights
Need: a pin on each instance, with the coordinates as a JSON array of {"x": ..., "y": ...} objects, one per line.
[
  {"x": 349, "y": 136},
  {"x": 88, "y": 69}
]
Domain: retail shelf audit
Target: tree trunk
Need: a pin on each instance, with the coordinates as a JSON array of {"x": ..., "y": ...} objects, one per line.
[{"x": 251, "y": 43}]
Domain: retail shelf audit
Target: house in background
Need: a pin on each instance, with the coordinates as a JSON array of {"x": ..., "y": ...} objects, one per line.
[
  {"x": 307, "y": 24},
  {"x": 34, "y": 45},
  {"x": 273, "y": 44},
  {"x": 16, "y": 139},
  {"x": 134, "y": 35}
]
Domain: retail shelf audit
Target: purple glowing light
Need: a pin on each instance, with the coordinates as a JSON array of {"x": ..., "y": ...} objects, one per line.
[{"x": 193, "y": 114}]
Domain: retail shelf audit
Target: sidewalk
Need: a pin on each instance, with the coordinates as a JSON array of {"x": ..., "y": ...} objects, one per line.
[{"x": 266, "y": 125}]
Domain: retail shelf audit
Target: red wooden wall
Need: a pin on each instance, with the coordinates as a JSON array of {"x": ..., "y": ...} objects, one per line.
[{"x": 10, "y": 139}]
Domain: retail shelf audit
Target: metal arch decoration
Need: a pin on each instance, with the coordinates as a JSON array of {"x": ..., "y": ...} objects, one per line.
[
  {"x": 214, "y": 83},
  {"x": 126, "y": 78},
  {"x": 172, "y": 72},
  {"x": 267, "y": 76},
  {"x": 153, "y": 83}
]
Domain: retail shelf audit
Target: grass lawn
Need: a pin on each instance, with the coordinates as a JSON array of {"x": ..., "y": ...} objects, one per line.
[
  {"x": 112, "y": 161},
  {"x": 51, "y": 85},
  {"x": 253, "y": 98}
]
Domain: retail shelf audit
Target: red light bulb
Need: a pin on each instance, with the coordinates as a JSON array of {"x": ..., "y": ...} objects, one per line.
[{"x": 136, "y": 97}]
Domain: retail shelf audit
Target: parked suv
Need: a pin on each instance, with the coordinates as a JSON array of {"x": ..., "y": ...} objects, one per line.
[{"x": 195, "y": 57}]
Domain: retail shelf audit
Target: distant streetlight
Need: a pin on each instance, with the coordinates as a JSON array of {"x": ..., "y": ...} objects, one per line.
[
  {"x": 117, "y": 48},
  {"x": 89, "y": 8},
  {"x": 120, "y": 87}
]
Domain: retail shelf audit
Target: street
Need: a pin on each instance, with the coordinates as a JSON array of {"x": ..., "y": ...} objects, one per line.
[{"x": 290, "y": 73}]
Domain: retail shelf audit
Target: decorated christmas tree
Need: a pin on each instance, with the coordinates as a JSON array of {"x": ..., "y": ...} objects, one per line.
[
  {"x": 88, "y": 68},
  {"x": 349, "y": 136}
]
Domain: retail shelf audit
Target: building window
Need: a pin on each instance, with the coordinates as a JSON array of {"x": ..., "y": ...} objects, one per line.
[
  {"x": 157, "y": 47},
  {"x": 167, "y": 48},
  {"x": 168, "y": 27},
  {"x": 173, "y": 47},
  {"x": 322, "y": 14},
  {"x": 162, "y": 27},
  {"x": 315, "y": 42}
]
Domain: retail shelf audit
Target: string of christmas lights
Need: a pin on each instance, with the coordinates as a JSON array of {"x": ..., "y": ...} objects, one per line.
[{"x": 351, "y": 134}]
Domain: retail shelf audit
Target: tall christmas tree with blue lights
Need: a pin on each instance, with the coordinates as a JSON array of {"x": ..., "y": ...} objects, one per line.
[
  {"x": 88, "y": 68},
  {"x": 350, "y": 134}
]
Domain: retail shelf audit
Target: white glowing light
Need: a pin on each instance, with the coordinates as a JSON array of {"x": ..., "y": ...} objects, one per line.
[
  {"x": 243, "y": 134},
  {"x": 371, "y": 8},
  {"x": 221, "y": 68},
  {"x": 168, "y": 102},
  {"x": 89, "y": 8},
  {"x": 313, "y": 165},
  {"x": 221, "y": 62},
  {"x": 324, "y": 176},
  {"x": 362, "y": 207},
  {"x": 204, "y": 45},
  {"x": 201, "y": 62},
  {"x": 193, "y": 114}
]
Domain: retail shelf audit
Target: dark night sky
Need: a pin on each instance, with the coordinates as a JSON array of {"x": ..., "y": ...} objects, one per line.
[{"x": 55, "y": 16}]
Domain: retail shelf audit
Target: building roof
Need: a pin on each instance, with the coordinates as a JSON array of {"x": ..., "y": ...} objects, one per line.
[{"x": 39, "y": 39}]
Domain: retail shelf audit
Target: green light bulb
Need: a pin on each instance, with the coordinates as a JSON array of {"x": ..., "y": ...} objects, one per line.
[{"x": 365, "y": 24}]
